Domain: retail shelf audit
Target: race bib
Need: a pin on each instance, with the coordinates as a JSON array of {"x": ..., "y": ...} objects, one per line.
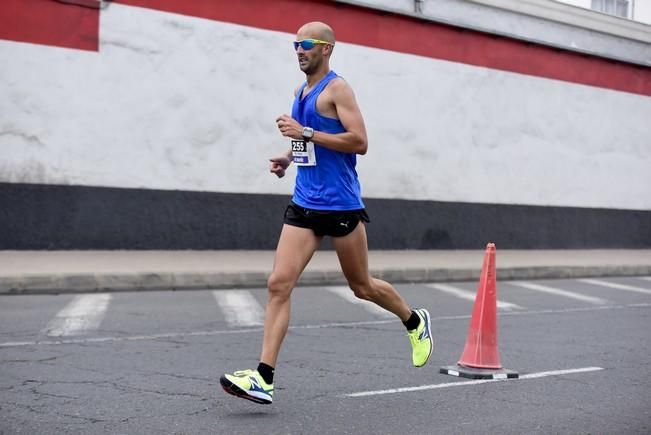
[{"x": 303, "y": 153}]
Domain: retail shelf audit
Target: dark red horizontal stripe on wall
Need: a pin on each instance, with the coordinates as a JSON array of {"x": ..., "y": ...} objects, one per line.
[
  {"x": 49, "y": 22},
  {"x": 373, "y": 28}
]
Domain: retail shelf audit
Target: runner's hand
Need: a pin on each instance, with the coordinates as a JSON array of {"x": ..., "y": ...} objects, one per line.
[
  {"x": 279, "y": 165},
  {"x": 289, "y": 127}
]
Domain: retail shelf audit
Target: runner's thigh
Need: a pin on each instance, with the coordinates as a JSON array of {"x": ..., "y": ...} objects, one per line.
[
  {"x": 295, "y": 249},
  {"x": 352, "y": 251}
]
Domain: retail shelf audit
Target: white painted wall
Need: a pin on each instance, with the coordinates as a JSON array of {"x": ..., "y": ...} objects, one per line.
[
  {"x": 580, "y": 3},
  {"x": 174, "y": 102},
  {"x": 640, "y": 9}
]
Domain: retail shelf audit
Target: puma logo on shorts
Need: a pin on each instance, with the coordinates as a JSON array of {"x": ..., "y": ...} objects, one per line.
[{"x": 334, "y": 223}]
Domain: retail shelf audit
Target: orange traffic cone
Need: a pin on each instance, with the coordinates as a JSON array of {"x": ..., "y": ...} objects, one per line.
[{"x": 481, "y": 358}]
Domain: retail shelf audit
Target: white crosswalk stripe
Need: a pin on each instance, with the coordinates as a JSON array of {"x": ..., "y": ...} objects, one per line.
[
  {"x": 559, "y": 292},
  {"x": 470, "y": 296},
  {"x": 240, "y": 308},
  {"x": 347, "y": 294},
  {"x": 83, "y": 314},
  {"x": 616, "y": 286}
]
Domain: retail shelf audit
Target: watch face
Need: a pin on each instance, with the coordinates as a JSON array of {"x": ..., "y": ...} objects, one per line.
[{"x": 308, "y": 132}]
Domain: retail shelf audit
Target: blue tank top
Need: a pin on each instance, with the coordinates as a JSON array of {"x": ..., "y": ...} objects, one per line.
[{"x": 331, "y": 184}]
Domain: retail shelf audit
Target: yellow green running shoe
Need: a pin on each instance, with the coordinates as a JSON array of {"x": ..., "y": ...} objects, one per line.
[
  {"x": 421, "y": 339},
  {"x": 248, "y": 384}
]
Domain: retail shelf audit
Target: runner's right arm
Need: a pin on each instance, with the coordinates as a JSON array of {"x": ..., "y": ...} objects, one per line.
[{"x": 280, "y": 163}]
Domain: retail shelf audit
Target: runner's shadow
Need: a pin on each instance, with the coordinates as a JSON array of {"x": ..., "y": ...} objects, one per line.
[
  {"x": 243, "y": 410},
  {"x": 243, "y": 415},
  {"x": 251, "y": 413}
]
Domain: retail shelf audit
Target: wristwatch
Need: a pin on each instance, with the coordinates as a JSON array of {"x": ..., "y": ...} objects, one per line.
[{"x": 308, "y": 133}]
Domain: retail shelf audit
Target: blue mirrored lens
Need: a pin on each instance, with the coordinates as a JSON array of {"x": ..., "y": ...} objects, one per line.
[{"x": 306, "y": 44}]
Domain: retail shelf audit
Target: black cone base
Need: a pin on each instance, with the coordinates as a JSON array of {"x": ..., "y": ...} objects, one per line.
[{"x": 473, "y": 373}]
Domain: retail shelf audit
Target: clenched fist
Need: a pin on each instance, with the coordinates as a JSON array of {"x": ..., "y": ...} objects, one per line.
[
  {"x": 279, "y": 165},
  {"x": 289, "y": 127}
]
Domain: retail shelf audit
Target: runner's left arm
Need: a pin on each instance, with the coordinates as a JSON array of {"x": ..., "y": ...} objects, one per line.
[{"x": 353, "y": 140}]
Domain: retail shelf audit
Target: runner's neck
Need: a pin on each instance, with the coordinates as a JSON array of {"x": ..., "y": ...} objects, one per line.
[{"x": 313, "y": 79}]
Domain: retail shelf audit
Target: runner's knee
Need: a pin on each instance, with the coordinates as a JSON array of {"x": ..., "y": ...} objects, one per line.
[
  {"x": 280, "y": 286},
  {"x": 363, "y": 290}
]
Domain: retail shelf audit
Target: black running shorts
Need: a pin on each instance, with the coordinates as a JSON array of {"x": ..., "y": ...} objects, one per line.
[{"x": 324, "y": 222}]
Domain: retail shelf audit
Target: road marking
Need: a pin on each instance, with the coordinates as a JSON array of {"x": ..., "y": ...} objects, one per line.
[
  {"x": 617, "y": 286},
  {"x": 475, "y": 382},
  {"x": 470, "y": 296},
  {"x": 559, "y": 292},
  {"x": 299, "y": 327},
  {"x": 347, "y": 294},
  {"x": 240, "y": 307},
  {"x": 83, "y": 314},
  {"x": 646, "y": 278}
]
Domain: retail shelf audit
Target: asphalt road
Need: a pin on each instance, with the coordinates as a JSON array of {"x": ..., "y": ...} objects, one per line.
[{"x": 145, "y": 363}]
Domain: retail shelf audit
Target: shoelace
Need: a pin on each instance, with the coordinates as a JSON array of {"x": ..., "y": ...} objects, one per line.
[{"x": 413, "y": 337}]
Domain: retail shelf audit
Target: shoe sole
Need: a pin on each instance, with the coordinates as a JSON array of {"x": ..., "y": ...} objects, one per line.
[
  {"x": 428, "y": 326},
  {"x": 236, "y": 391}
]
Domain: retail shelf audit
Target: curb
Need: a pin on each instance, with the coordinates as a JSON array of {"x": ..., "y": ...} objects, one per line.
[{"x": 90, "y": 283}]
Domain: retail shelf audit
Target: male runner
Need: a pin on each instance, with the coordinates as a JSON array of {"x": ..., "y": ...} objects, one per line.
[{"x": 326, "y": 131}]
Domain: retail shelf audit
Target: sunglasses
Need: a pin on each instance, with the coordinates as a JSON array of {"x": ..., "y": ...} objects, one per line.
[{"x": 308, "y": 44}]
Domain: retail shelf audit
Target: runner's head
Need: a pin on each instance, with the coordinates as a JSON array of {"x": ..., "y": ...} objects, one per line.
[{"x": 314, "y": 44}]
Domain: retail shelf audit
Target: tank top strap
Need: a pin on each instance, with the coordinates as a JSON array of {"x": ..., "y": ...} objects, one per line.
[
  {"x": 324, "y": 82},
  {"x": 299, "y": 94}
]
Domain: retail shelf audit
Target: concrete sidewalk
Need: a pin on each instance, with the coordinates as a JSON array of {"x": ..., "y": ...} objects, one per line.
[{"x": 31, "y": 272}]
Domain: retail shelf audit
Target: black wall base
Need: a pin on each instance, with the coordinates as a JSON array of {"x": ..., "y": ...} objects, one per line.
[{"x": 36, "y": 216}]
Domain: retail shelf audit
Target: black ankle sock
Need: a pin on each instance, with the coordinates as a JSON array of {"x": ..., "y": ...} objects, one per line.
[
  {"x": 412, "y": 322},
  {"x": 267, "y": 372}
]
